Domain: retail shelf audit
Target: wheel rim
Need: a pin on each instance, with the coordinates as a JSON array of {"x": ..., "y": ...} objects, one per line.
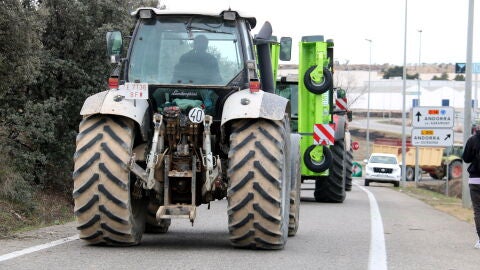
[{"x": 317, "y": 156}]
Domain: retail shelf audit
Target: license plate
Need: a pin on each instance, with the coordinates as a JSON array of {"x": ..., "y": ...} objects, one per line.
[{"x": 136, "y": 90}]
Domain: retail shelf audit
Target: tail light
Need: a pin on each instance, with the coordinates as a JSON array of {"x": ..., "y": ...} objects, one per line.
[
  {"x": 254, "y": 86},
  {"x": 113, "y": 83}
]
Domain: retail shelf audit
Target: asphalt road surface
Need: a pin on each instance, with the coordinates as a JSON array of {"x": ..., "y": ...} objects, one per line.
[{"x": 376, "y": 227}]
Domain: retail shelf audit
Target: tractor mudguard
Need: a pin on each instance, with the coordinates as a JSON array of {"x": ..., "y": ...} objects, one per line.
[
  {"x": 110, "y": 102},
  {"x": 244, "y": 104}
]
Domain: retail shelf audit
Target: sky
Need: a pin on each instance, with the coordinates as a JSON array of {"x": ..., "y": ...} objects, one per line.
[{"x": 350, "y": 22}]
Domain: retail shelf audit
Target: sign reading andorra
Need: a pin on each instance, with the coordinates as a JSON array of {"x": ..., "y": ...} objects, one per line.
[
  {"x": 432, "y": 137},
  {"x": 433, "y": 117}
]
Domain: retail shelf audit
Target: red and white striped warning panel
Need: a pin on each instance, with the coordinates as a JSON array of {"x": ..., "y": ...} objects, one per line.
[
  {"x": 323, "y": 134},
  {"x": 341, "y": 103}
]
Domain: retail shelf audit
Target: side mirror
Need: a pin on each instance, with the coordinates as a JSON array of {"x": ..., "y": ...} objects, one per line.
[
  {"x": 285, "y": 48},
  {"x": 114, "y": 46}
]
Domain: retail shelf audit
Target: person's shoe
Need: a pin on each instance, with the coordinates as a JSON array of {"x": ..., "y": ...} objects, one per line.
[{"x": 477, "y": 245}]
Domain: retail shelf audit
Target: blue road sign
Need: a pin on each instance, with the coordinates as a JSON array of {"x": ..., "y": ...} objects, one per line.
[{"x": 460, "y": 68}]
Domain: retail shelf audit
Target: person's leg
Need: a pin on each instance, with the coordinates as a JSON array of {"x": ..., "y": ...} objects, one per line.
[{"x": 475, "y": 196}]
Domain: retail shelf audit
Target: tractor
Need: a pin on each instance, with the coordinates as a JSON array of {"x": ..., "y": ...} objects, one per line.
[
  {"x": 319, "y": 114},
  {"x": 190, "y": 117}
]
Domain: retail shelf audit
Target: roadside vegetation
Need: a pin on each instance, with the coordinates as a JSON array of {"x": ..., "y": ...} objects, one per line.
[
  {"x": 51, "y": 58},
  {"x": 450, "y": 205}
]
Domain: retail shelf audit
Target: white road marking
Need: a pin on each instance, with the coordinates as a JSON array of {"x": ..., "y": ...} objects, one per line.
[
  {"x": 37, "y": 248},
  {"x": 378, "y": 255}
]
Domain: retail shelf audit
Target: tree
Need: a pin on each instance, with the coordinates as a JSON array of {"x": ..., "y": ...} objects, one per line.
[
  {"x": 397, "y": 71},
  {"x": 443, "y": 77},
  {"x": 20, "y": 65},
  {"x": 459, "y": 77},
  {"x": 56, "y": 58}
]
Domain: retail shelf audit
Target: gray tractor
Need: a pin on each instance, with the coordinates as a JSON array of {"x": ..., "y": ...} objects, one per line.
[{"x": 190, "y": 117}]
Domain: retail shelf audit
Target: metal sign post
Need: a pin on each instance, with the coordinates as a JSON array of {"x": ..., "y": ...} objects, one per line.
[{"x": 448, "y": 171}]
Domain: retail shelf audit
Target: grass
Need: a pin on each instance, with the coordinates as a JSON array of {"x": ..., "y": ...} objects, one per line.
[
  {"x": 450, "y": 205},
  {"x": 47, "y": 209}
]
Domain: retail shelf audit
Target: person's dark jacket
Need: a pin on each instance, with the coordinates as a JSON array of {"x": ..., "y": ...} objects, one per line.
[{"x": 471, "y": 154}]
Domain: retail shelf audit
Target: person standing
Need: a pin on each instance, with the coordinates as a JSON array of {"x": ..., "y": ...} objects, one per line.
[{"x": 471, "y": 154}]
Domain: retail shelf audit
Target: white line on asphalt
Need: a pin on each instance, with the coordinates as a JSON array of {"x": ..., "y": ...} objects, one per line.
[
  {"x": 378, "y": 255},
  {"x": 37, "y": 248}
]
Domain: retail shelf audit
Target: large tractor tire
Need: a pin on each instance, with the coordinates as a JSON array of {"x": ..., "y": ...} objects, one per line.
[
  {"x": 152, "y": 225},
  {"x": 332, "y": 188},
  {"x": 348, "y": 170},
  {"x": 295, "y": 185},
  {"x": 106, "y": 210},
  {"x": 258, "y": 186}
]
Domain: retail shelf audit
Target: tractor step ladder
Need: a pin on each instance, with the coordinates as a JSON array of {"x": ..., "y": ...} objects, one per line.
[{"x": 187, "y": 211}]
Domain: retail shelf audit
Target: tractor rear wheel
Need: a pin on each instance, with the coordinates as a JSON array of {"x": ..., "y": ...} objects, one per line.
[
  {"x": 105, "y": 208},
  {"x": 258, "y": 186},
  {"x": 332, "y": 188},
  {"x": 295, "y": 185},
  {"x": 348, "y": 170}
]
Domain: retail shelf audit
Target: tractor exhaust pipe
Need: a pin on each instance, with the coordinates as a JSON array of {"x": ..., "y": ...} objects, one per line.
[{"x": 262, "y": 41}]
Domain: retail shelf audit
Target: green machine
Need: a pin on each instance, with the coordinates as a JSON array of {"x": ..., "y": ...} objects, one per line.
[{"x": 319, "y": 114}]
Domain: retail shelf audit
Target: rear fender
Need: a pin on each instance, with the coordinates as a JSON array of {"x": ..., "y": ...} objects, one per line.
[
  {"x": 110, "y": 102},
  {"x": 244, "y": 104}
]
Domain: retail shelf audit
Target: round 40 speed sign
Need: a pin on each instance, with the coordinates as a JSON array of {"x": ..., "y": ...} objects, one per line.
[{"x": 196, "y": 115}]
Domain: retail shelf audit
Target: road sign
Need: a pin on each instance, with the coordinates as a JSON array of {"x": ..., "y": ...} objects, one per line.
[
  {"x": 460, "y": 68},
  {"x": 356, "y": 169},
  {"x": 355, "y": 145},
  {"x": 432, "y": 137},
  {"x": 433, "y": 117}
]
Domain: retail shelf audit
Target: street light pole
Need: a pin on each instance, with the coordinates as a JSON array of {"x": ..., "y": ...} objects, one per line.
[
  {"x": 419, "y": 63},
  {"x": 467, "y": 112},
  {"x": 404, "y": 114},
  {"x": 368, "y": 97},
  {"x": 417, "y": 156}
]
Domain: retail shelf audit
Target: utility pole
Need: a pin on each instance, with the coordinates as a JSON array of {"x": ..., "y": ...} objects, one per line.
[
  {"x": 404, "y": 114},
  {"x": 467, "y": 111},
  {"x": 368, "y": 98},
  {"x": 417, "y": 156}
]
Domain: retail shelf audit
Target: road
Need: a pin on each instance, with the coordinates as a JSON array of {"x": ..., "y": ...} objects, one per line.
[{"x": 405, "y": 233}]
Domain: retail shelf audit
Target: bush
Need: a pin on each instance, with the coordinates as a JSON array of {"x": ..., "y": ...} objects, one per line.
[{"x": 13, "y": 186}]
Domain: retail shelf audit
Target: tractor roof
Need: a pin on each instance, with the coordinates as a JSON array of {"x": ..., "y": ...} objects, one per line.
[{"x": 202, "y": 10}]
